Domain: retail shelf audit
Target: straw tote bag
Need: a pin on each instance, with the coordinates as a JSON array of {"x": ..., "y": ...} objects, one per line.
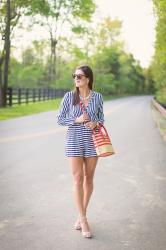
[{"x": 101, "y": 139}]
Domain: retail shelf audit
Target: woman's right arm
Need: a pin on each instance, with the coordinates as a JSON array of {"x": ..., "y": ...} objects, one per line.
[
  {"x": 100, "y": 110},
  {"x": 64, "y": 116}
]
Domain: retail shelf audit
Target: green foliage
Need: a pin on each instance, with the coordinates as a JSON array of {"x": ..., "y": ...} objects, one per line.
[
  {"x": 119, "y": 72},
  {"x": 28, "y": 73},
  {"x": 109, "y": 31},
  {"x": 79, "y": 29},
  {"x": 161, "y": 95},
  {"x": 33, "y": 7},
  {"x": 149, "y": 81},
  {"x": 107, "y": 61},
  {"x": 104, "y": 83},
  {"x": 28, "y": 76},
  {"x": 159, "y": 61},
  {"x": 115, "y": 71},
  {"x": 131, "y": 74},
  {"x": 78, "y": 53},
  {"x": 28, "y": 57},
  {"x": 83, "y": 9}
]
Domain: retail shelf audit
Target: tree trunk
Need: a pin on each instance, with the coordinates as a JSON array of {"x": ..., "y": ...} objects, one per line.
[
  {"x": 1, "y": 85},
  {"x": 53, "y": 59},
  {"x": 7, "y": 52}
]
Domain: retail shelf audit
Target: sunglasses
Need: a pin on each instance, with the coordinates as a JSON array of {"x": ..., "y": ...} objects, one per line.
[{"x": 79, "y": 76}]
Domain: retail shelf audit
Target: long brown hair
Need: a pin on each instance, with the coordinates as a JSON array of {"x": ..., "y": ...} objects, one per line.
[{"x": 89, "y": 74}]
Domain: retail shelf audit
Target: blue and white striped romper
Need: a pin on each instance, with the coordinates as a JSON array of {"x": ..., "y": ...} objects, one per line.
[{"x": 79, "y": 140}]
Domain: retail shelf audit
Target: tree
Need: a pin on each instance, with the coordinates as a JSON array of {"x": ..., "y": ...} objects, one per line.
[
  {"x": 10, "y": 13},
  {"x": 149, "y": 81},
  {"x": 109, "y": 32},
  {"x": 159, "y": 61},
  {"x": 64, "y": 12},
  {"x": 5, "y": 54}
]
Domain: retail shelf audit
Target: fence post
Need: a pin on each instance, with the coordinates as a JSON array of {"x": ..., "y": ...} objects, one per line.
[
  {"x": 27, "y": 95},
  {"x": 34, "y": 95},
  {"x": 55, "y": 93},
  {"x": 10, "y": 92},
  {"x": 44, "y": 94},
  {"x": 19, "y": 96},
  {"x": 39, "y": 94},
  {"x": 52, "y": 93},
  {"x": 47, "y": 93}
]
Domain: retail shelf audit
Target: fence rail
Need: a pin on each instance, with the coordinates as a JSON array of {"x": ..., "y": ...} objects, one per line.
[{"x": 27, "y": 95}]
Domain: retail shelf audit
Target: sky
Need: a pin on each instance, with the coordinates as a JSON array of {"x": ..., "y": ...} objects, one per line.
[{"x": 138, "y": 25}]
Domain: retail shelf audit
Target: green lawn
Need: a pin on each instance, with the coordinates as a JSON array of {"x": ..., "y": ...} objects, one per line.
[
  {"x": 28, "y": 109},
  {"x": 160, "y": 121},
  {"x": 37, "y": 107}
]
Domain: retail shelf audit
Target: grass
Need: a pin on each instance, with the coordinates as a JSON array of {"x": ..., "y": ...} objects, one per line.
[
  {"x": 160, "y": 121},
  {"x": 29, "y": 109},
  {"x": 37, "y": 107}
]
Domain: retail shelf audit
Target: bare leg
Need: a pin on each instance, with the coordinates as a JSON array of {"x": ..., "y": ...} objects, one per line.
[
  {"x": 78, "y": 175},
  {"x": 77, "y": 164},
  {"x": 89, "y": 170},
  {"x": 83, "y": 172}
]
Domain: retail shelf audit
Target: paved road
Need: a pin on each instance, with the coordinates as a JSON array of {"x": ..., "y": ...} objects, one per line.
[{"x": 128, "y": 207}]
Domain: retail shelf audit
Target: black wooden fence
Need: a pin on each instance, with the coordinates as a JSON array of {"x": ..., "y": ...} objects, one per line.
[{"x": 27, "y": 95}]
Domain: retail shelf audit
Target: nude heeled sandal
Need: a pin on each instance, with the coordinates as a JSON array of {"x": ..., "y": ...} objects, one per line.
[
  {"x": 77, "y": 225},
  {"x": 88, "y": 233}
]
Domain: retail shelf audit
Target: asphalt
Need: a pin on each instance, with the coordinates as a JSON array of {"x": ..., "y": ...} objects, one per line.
[{"x": 127, "y": 210}]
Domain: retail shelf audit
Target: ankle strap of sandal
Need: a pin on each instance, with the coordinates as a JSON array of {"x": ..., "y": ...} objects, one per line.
[{"x": 83, "y": 218}]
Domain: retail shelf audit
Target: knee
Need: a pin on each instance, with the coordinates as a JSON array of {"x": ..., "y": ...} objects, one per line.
[
  {"x": 78, "y": 180},
  {"x": 88, "y": 179}
]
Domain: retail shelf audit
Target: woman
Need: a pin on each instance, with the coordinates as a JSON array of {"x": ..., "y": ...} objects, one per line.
[{"x": 79, "y": 144}]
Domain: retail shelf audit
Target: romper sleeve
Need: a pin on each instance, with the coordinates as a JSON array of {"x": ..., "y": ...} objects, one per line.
[
  {"x": 100, "y": 110},
  {"x": 65, "y": 118}
]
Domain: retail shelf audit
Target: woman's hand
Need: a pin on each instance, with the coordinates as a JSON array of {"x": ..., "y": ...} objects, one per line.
[
  {"x": 83, "y": 118},
  {"x": 91, "y": 125}
]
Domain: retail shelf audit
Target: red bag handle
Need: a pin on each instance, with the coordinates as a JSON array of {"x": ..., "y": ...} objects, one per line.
[
  {"x": 99, "y": 126},
  {"x": 82, "y": 107}
]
